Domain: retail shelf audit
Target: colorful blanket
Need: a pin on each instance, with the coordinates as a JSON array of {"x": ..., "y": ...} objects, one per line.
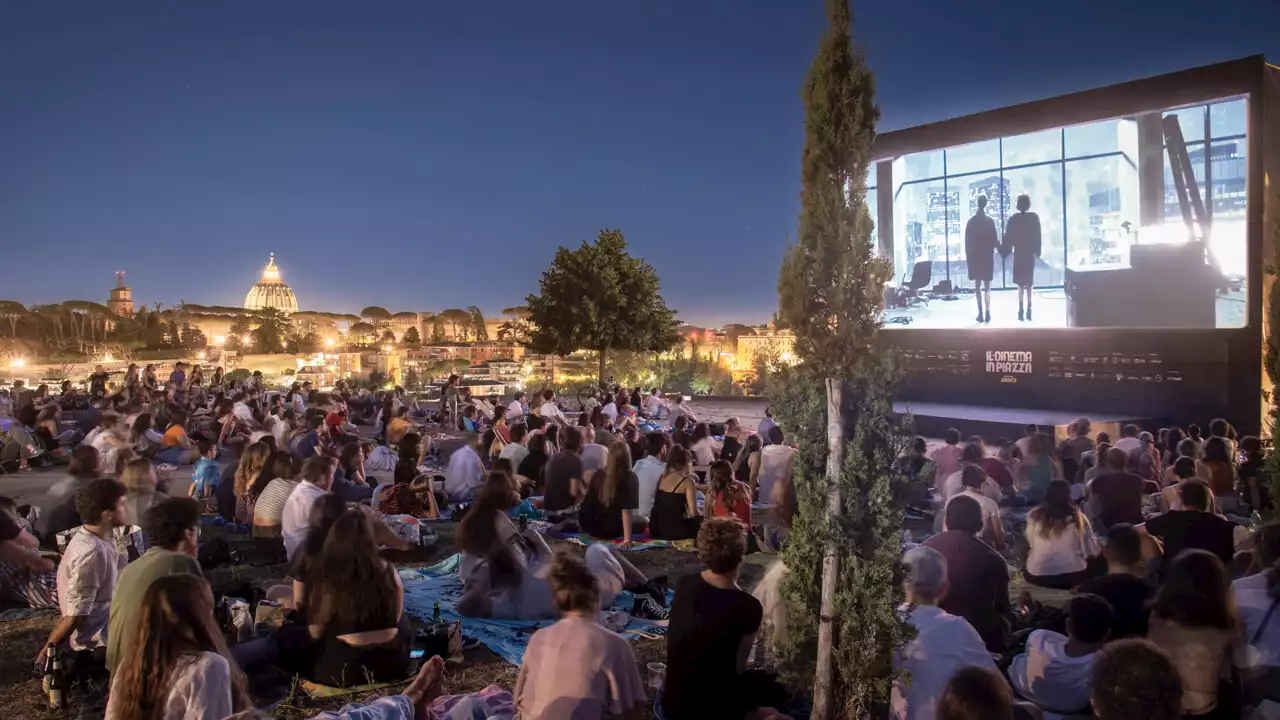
[
  {"x": 424, "y": 587},
  {"x": 641, "y": 541}
]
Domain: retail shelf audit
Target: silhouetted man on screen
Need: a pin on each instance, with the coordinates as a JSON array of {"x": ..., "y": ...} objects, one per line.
[{"x": 980, "y": 244}]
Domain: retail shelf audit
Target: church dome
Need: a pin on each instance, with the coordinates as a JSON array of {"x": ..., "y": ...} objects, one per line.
[{"x": 271, "y": 292}]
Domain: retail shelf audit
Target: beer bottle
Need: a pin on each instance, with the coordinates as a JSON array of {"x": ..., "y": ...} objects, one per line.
[
  {"x": 47, "y": 680},
  {"x": 435, "y": 613},
  {"x": 58, "y": 684}
]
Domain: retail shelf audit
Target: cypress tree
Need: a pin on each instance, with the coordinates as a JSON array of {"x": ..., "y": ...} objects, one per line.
[{"x": 844, "y": 583}]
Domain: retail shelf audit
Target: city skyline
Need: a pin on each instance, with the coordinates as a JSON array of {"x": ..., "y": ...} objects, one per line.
[{"x": 395, "y": 158}]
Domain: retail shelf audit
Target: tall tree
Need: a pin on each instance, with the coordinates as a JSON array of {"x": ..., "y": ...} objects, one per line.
[
  {"x": 411, "y": 337},
  {"x": 273, "y": 328},
  {"x": 830, "y": 294},
  {"x": 458, "y": 320},
  {"x": 476, "y": 320},
  {"x": 14, "y": 312},
  {"x": 362, "y": 332},
  {"x": 437, "y": 329},
  {"x": 375, "y": 316},
  {"x": 600, "y": 298}
]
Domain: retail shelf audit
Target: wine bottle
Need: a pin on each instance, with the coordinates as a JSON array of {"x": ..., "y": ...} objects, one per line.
[{"x": 58, "y": 684}]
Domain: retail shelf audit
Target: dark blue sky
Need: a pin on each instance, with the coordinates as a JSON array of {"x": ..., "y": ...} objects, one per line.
[{"x": 422, "y": 154}]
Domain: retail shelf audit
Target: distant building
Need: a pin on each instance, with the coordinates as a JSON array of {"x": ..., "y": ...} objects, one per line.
[
  {"x": 776, "y": 344},
  {"x": 271, "y": 291},
  {"x": 121, "y": 302}
]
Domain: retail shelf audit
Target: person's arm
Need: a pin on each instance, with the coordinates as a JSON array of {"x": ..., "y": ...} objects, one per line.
[
  {"x": 626, "y": 530},
  {"x": 79, "y": 598},
  {"x": 15, "y": 553},
  {"x": 691, "y": 498},
  {"x": 383, "y": 535}
]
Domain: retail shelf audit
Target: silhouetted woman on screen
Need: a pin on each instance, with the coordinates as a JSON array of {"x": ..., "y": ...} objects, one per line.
[{"x": 1022, "y": 238}]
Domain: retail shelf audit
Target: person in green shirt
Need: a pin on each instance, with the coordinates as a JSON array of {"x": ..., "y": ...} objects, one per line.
[{"x": 172, "y": 529}]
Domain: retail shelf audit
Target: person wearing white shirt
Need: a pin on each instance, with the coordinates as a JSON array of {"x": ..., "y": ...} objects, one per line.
[
  {"x": 944, "y": 643},
  {"x": 1056, "y": 671},
  {"x": 516, "y": 450},
  {"x": 242, "y": 411},
  {"x": 1256, "y": 603},
  {"x": 775, "y": 463},
  {"x": 973, "y": 484},
  {"x": 610, "y": 411},
  {"x": 465, "y": 473},
  {"x": 549, "y": 410},
  {"x": 649, "y": 470},
  {"x": 88, "y": 570},
  {"x": 1129, "y": 443},
  {"x": 516, "y": 408},
  {"x": 766, "y": 426},
  {"x": 295, "y": 523},
  {"x": 1060, "y": 540},
  {"x": 653, "y": 405}
]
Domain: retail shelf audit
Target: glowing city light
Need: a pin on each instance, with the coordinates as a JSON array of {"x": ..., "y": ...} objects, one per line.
[
  {"x": 328, "y": 342},
  {"x": 219, "y": 339},
  {"x": 17, "y": 363}
]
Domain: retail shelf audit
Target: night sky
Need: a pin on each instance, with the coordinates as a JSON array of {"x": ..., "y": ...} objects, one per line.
[{"x": 426, "y": 154}]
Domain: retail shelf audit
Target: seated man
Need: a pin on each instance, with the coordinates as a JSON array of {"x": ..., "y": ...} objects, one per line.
[
  {"x": 1195, "y": 526},
  {"x": 1055, "y": 672},
  {"x": 983, "y": 598},
  {"x": 943, "y": 643},
  {"x": 87, "y": 575},
  {"x": 1125, "y": 586},
  {"x": 713, "y": 624}
]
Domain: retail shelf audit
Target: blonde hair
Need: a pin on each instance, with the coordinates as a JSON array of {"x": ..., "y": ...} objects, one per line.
[
  {"x": 136, "y": 476},
  {"x": 616, "y": 471},
  {"x": 251, "y": 464}
]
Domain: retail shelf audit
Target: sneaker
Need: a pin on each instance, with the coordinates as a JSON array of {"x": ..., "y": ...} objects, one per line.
[
  {"x": 988, "y": 317},
  {"x": 1028, "y": 314},
  {"x": 646, "y": 608},
  {"x": 979, "y": 316},
  {"x": 1019, "y": 314}
]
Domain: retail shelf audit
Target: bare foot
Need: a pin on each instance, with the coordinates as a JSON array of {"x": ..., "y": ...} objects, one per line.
[{"x": 427, "y": 686}]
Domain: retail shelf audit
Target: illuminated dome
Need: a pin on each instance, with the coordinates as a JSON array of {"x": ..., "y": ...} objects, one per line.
[{"x": 271, "y": 292}]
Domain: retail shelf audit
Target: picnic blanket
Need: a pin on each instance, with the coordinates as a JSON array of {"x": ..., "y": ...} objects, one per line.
[
  {"x": 641, "y": 541},
  {"x": 424, "y": 587}
]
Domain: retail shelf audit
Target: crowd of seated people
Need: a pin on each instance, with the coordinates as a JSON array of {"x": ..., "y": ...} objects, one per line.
[{"x": 1151, "y": 537}]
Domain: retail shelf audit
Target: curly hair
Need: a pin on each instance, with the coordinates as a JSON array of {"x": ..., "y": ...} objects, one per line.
[
  {"x": 721, "y": 545},
  {"x": 1133, "y": 678}
]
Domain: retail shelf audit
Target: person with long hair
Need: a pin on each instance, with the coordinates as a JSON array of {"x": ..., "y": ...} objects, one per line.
[
  {"x": 145, "y": 440},
  {"x": 350, "y": 480},
  {"x": 1039, "y": 467},
  {"x": 179, "y": 666},
  {"x": 701, "y": 445},
  {"x": 1062, "y": 551},
  {"x": 1193, "y": 618},
  {"x": 140, "y": 481},
  {"x": 675, "y": 515},
  {"x": 534, "y": 464},
  {"x": 176, "y": 445},
  {"x": 324, "y": 513},
  {"x": 410, "y": 492},
  {"x": 747, "y": 466},
  {"x": 1221, "y": 465},
  {"x": 251, "y": 464},
  {"x": 727, "y": 498},
  {"x": 275, "y": 483},
  {"x": 613, "y": 497},
  {"x": 354, "y": 609}
]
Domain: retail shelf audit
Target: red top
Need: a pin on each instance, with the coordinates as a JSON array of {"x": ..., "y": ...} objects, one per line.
[{"x": 741, "y": 509}]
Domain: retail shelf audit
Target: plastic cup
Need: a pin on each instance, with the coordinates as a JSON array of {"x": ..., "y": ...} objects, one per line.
[{"x": 657, "y": 674}]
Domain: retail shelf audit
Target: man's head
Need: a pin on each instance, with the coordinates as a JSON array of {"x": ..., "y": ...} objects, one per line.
[
  {"x": 207, "y": 448},
  {"x": 919, "y": 445},
  {"x": 548, "y": 394},
  {"x": 1184, "y": 468},
  {"x": 1024, "y": 203},
  {"x": 1124, "y": 547},
  {"x": 775, "y": 435},
  {"x": 1130, "y": 431},
  {"x": 975, "y": 693},
  {"x": 982, "y": 203},
  {"x": 1195, "y": 495},
  {"x": 1117, "y": 459},
  {"x": 926, "y": 582},
  {"x": 518, "y": 432},
  {"x": 972, "y": 477},
  {"x": 315, "y": 422},
  {"x": 768, "y": 412},
  {"x": 100, "y": 503},
  {"x": 1218, "y": 428},
  {"x": 721, "y": 545},
  {"x": 571, "y": 441},
  {"x": 574, "y": 586},
  {"x": 173, "y": 524},
  {"x": 655, "y": 445},
  {"x": 318, "y": 471},
  {"x": 1089, "y": 619},
  {"x": 520, "y": 397},
  {"x": 1030, "y": 430},
  {"x": 972, "y": 453},
  {"x": 1134, "y": 678},
  {"x": 964, "y": 514}
]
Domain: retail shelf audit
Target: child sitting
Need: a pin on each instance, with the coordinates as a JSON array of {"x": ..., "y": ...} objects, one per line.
[
  {"x": 1055, "y": 672},
  {"x": 206, "y": 475}
]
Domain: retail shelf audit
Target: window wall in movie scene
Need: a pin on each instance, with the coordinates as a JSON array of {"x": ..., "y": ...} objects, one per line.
[{"x": 1061, "y": 226}]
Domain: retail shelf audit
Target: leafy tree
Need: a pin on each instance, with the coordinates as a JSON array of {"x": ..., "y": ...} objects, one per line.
[
  {"x": 239, "y": 331},
  {"x": 375, "y": 316},
  {"x": 13, "y": 312},
  {"x": 411, "y": 337},
  {"x": 303, "y": 343},
  {"x": 273, "y": 327},
  {"x": 388, "y": 336},
  {"x": 377, "y": 379},
  {"x": 193, "y": 338},
  {"x": 478, "y": 329},
  {"x": 600, "y": 298},
  {"x": 437, "y": 329},
  {"x": 1271, "y": 359},
  {"x": 844, "y": 582},
  {"x": 362, "y": 332},
  {"x": 237, "y": 374},
  {"x": 459, "y": 322},
  {"x": 411, "y": 379}
]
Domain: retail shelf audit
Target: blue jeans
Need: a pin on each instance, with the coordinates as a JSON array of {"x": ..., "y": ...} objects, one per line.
[{"x": 170, "y": 455}]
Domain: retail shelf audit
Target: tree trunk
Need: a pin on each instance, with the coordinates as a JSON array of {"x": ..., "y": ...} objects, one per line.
[
  {"x": 600, "y": 379},
  {"x": 823, "y": 681}
]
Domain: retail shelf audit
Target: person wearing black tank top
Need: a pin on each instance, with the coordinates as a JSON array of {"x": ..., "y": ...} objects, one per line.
[{"x": 674, "y": 515}]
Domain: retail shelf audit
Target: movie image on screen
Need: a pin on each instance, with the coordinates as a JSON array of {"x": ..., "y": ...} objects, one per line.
[{"x": 1062, "y": 228}]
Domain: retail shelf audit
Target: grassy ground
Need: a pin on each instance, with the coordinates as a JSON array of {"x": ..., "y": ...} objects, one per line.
[{"x": 20, "y": 691}]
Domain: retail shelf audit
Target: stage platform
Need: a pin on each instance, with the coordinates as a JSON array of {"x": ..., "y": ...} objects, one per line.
[{"x": 992, "y": 423}]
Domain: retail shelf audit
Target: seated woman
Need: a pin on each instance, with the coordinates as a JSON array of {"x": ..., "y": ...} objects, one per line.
[
  {"x": 324, "y": 513},
  {"x": 251, "y": 465},
  {"x": 747, "y": 467},
  {"x": 273, "y": 486},
  {"x": 612, "y": 497},
  {"x": 702, "y": 446},
  {"x": 354, "y": 608},
  {"x": 531, "y": 470},
  {"x": 410, "y": 492},
  {"x": 713, "y": 623},
  {"x": 675, "y": 515},
  {"x": 146, "y": 441},
  {"x": 726, "y": 497},
  {"x": 503, "y": 569},
  {"x": 576, "y": 668},
  {"x": 349, "y": 480},
  {"x": 47, "y": 427},
  {"x": 139, "y": 479},
  {"x": 1062, "y": 550},
  {"x": 176, "y": 447},
  {"x": 1193, "y": 619},
  {"x": 179, "y": 666}
]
